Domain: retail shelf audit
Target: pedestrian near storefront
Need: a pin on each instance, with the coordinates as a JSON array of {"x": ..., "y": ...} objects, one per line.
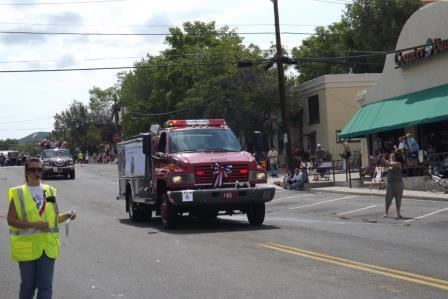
[
  {"x": 394, "y": 182},
  {"x": 273, "y": 161},
  {"x": 319, "y": 155},
  {"x": 33, "y": 220}
]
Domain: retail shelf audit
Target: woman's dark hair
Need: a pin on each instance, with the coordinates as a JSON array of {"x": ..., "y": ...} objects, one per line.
[
  {"x": 27, "y": 165},
  {"x": 30, "y": 160}
]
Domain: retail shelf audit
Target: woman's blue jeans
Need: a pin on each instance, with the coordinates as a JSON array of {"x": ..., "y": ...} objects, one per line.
[
  {"x": 273, "y": 167},
  {"x": 37, "y": 274}
]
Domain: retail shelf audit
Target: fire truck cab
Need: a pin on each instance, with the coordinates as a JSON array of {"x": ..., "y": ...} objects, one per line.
[{"x": 193, "y": 167}]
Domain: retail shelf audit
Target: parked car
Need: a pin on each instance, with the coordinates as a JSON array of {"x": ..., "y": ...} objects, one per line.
[{"x": 11, "y": 157}]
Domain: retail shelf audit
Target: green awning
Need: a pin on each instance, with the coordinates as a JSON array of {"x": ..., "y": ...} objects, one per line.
[{"x": 422, "y": 107}]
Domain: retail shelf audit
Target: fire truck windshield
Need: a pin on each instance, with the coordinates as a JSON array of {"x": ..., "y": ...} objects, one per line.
[{"x": 203, "y": 140}]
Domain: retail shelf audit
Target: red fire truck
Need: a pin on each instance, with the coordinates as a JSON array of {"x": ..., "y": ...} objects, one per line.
[{"x": 193, "y": 167}]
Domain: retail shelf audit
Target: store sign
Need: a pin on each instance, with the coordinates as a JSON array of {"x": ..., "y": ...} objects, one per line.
[{"x": 432, "y": 48}]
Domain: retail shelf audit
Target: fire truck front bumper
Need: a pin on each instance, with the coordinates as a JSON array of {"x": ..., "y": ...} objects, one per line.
[{"x": 223, "y": 196}]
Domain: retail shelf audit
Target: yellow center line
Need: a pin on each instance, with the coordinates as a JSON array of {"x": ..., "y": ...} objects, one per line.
[{"x": 402, "y": 275}]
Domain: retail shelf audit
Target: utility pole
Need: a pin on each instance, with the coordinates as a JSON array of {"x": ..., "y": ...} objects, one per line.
[
  {"x": 282, "y": 89},
  {"x": 116, "y": 110},
  {"x": 84, "y": 125}
]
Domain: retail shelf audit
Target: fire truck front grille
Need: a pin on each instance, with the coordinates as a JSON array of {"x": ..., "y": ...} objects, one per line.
[{"x": 207, "y": 176}]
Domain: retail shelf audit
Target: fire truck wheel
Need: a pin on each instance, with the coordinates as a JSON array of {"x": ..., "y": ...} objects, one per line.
[
  {"x": 135, "y": 214},
  {"x": 255, "y": 213},
  {"x": 168, "y": 213}
]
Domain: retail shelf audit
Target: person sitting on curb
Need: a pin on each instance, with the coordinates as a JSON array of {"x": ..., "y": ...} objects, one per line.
[{"x": 297, "y": 181}]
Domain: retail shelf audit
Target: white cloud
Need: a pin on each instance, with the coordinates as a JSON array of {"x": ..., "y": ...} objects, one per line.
[{"x": 66, "y": 17}]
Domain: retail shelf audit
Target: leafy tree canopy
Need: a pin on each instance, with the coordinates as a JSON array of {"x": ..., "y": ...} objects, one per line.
[
  {"x": 197, "y": 75},
  {"x": 366, "y": 25}
]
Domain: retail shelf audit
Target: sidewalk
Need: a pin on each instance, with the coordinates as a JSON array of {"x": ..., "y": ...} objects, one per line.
[{"x": 423, "y": 195}]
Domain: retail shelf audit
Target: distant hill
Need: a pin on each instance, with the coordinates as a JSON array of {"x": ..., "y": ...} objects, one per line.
[{"x": 38, "y": 136}]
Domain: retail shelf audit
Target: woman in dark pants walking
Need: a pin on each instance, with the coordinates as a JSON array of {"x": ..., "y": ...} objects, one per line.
[{"x": 394, "y": 182}]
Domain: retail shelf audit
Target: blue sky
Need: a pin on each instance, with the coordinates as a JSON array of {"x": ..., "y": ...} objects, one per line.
[{"x": 28, "y": 101}]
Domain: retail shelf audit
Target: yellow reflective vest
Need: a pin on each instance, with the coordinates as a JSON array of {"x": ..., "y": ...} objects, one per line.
[{"x": 29, "y": 244}]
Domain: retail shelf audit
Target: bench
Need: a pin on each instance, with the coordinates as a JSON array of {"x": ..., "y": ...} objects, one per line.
[{"x": 322, "y": 172}]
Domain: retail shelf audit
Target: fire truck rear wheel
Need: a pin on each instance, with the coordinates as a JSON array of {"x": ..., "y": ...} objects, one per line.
[
  {"x": 168, "y": 213},
  {"x": 135, "y": 214},
  {"x": 255, "y": 213}
]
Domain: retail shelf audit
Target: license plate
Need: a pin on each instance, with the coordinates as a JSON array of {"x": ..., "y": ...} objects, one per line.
[
  {"x": 228, "y": 195},
  {"x": 187, "y": 195}
]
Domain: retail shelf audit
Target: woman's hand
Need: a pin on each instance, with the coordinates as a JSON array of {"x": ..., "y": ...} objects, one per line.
[
  {"x": 70, "y": 215},
  {"x": 64, "y": 217}
]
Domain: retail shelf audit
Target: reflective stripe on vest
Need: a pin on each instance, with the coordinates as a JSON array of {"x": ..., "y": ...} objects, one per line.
[
  {"x": 31, "y": 231},
  {"x": 22, "y": 203}
]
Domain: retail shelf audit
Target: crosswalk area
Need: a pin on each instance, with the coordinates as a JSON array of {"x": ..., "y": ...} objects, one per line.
[{"x": 357, "y": 208}]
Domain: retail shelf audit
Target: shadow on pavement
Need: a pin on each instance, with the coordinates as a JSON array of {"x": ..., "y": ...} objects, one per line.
[{"x": 189, "y": 225}]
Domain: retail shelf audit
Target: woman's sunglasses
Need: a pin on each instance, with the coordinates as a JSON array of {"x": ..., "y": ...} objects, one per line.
[{"x": 35, "y": 169}]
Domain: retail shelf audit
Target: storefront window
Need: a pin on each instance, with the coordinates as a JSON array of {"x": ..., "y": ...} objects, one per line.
[
  {"x": 384, "y": 142},
  {"x": 435, "y": 136}
]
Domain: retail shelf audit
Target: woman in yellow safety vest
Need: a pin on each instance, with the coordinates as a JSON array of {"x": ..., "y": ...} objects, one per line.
[{"x": 33, "y": 219}]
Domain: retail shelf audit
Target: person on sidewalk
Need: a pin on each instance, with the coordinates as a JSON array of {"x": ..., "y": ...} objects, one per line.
[
  {"x": 33, "y": 219},
  {"x": 297, "y": 181},
  {"x": 273, "y": 161},
  {"x": 394, "y": 182}
]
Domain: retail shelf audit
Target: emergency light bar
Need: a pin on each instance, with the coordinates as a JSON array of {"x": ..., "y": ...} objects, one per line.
[{"x": 195, "y": 122}]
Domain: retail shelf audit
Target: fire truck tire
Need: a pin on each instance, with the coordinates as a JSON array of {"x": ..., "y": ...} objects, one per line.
[
  {"x": 135, "y": 214},
  {"x": 255, "y": 213},
  {"x": 168, "y": 213}
]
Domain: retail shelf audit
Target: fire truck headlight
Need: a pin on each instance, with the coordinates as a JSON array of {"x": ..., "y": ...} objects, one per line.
[
  {"x": 177, "y": 179},
  {"x": 261, "y": 176}
]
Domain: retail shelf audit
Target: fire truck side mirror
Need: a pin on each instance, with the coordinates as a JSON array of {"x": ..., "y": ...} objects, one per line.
[{"x": 147, "y": 144}]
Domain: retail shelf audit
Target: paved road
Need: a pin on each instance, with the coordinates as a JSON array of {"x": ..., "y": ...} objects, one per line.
[{"x": 313, "y": 245}]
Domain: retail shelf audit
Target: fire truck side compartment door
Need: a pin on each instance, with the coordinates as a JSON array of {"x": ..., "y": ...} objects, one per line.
[{"x": 147, "y": 145}]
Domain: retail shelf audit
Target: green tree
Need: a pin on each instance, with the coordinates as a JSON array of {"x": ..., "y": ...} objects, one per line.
[
  {"x": 366, "y": 25},
  {"x": 71, "y": 125},
  {"x": 87, "y": 126},
  {"x": 8, "y": 144},
  {"x": 199, "y": 79},
  {"x": 31, "y": 148}
]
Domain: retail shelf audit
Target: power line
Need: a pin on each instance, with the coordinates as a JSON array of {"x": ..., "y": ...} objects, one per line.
[
  {"x": 159, "y": 114},
  {"x": 332, "y": 2},
  {"x": 60, "y": 3},
  {"x": 259, "y": 61},
  {"x": 333, "y": 60},
  {"x": 148, "y": 26},
  {"x": 20, "y": 121},
  {"x": 15, "y": 129},
  {"x": 220, "y": 53},
  {"x": 142, "y": 34},
  {"x": 178, "y": 65},
  {"x": 56, "y": 60}
]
